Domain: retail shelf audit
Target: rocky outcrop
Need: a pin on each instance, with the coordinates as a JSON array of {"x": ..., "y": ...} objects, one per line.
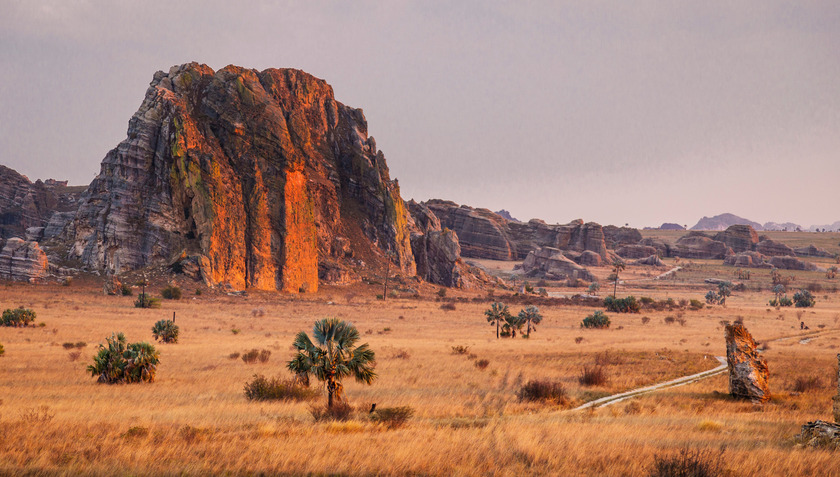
[
  {"x": 748, "y": 374},
  {"x": 771, "y": 248},
  {"x": 812, "y": 251},
  {"x": 671, "y": 226},
  {"x": 588, "y": 258},
  {"x": 663, "y": 249},
  {"x": 575, "y": 236},
  {"x": 254, "y": 172},
  {"x": 23, "y": 261},
  {"x": 723, "y": 221},
  {"x": 747, "y": 260},
  {"x": 112, "y": 285},
  {"x": 700, "y": 247},
  {"x": 740, "y": 238},
  {"x": 615, "y": 237},
  {"x": 506, "y": 215},
  {"x": 636, "y": 251},
  {"x": 820, "y": 434},
  {"x": 482, "y": 234},
  {"x": 550, "y": 263},
  {"x": 792, "y": 263},
  {"x": 652, "y": 260},
  {"x": 24, "y": 204}
]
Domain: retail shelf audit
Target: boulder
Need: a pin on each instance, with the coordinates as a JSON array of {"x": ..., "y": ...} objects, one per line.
[
  {"x": 112, "y": 285},
  {"x": 740, "y": 238},
  {"x": 771, "y": 248},
  {"x": 820, "y": 434},
  {"x": 747, "y": 260},
  {"x": 550, "y": 263},
  {"x": 698, "y": 246},
  {"x": 652, "y": 260},
  {"x": 748, "y": 374},
  {"x": 636, "y": 251},
  {"x": 812, "y": 251},
  {"x": 588, "y": 258},
  {"x": 792, "y": 263},
  {"x": 257, "y": 171},
  {"x": 663, "y": 249},
  {"x": 618, "y": 236},
  {"x": 23, "y": 261}
]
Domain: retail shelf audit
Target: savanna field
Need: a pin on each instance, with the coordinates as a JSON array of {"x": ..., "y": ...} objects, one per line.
[{"x": 436, "y": 355}]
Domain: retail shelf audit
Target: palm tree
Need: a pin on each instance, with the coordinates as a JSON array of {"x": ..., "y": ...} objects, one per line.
[
  {"x": 531, "y": 315},
  {"x": 335, "y": 357},
  {"x": 512, "y": 324},
  {"x": 497, "y": 313},
  {"x": 618, "y": 266}
]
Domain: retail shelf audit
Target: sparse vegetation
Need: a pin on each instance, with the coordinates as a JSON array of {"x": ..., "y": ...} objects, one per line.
[
  {"x": 687, "y": 463},
  {"x": 593, "y": 376},
  {"x": 255, "y": 355}
]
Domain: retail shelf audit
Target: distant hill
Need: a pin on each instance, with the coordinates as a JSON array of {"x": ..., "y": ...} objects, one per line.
[
  {"x": 723, "y": 221},
  {"x": 505, "y": 214},
  {"x": 670, "y": 226},
  {"x": 788, "y": 226},
  {"x": 828, "y": 227}
]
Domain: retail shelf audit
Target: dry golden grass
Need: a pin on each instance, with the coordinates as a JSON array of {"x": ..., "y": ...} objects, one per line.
[{"x": 54, "y": 418}]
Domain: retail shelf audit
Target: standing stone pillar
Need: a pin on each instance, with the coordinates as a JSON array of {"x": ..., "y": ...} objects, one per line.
[
  {"x": 836, "y": 404},
  {"x": 748, "y": 374}
]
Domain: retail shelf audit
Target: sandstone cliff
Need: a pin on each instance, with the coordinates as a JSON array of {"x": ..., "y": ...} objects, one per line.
[
  {"x": 252, "y": 175},
  {"x": 27, "y": 205}
]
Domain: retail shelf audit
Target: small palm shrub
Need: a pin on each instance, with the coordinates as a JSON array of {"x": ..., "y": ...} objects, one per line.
[
  {"x": 264, "y": 389},
  {"x": 803, "y": 299},
  {"x": 166, "y": 331},
  {"x": 622, "y": 305},
  {"x": 121, "y": 362},
  {"x": 596, "y": 320},
  {"x": 171, "y": 293},
  {"x": 546, "y": 391},
  {"x": 146, "y": 301},
  {"x": 18, "y": 317},
  {"x": 392, "y": 417}
]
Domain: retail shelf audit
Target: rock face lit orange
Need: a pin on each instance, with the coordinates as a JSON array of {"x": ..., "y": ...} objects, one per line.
[{"x": 250, "y": 174}]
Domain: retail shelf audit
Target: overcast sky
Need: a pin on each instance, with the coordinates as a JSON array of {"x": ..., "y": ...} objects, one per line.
[{"x": 637, "y": 112}]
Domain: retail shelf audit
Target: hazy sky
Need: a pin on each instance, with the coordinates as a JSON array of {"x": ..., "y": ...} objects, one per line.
[{"x": 640, "y": 112}]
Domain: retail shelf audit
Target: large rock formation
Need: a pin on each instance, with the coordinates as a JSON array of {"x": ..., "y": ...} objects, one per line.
[
  {"x": 740, "y": 238},
  {"x": 663, "y": 249},
  {"x": 636, "y": 251},
  {"x": 748, "y": 260},
  {"x": 699, "y": 246},
  {"x": 812, "y": 251},
  {"x": 550, "y": 263},
  {"x": 24, "y": 204},
  {"x": 23, "y": 261},
  {"x": 615, "y": 237},
  {"x": 820, "y": 434},
  {"x": 748, "y": 374},
  {"x": 772, "y": 248},
  {"x": 482, "y": 233},
  {"x": 575, "y": 236},
  {"x": 252, "y": 174},
  {"x": 792, "y": 263}
]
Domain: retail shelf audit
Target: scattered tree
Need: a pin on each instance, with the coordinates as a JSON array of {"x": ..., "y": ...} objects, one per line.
[
  {"x": 512, "y": 324},
  {"x": 334, "y": 358},
  {"x": 594, "y": 287},
  {"x": 496, "y": 315},
  {"x": 724, "y": 290},
  {"x": 618, "y": 266},
  {"x": 831, "y": 273},
  {"x": 531, "y": 315}
]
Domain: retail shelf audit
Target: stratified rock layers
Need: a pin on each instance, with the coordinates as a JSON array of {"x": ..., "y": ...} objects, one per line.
[{"x": 257, "y": 172}]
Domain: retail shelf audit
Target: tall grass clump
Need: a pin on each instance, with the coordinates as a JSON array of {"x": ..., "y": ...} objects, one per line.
[
  {"x": 392, "y": 417},
  {"x": 166, "y": 331},
  {"x": 593, "y": 376},
  {"x": 687, "y": 463},
  {"x": 543, "y": 391},
  {"x": 264, "y": 389},
  {"x": 121, "y": 362},
  {"x": 18, "y": 317}
]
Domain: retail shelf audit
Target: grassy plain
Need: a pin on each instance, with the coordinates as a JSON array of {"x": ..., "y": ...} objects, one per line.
[{"x": 194, "y": 419}]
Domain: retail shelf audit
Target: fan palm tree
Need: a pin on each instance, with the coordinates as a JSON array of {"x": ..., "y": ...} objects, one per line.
[
  {"x": 496, "y": 315},
  {"x": 512, "y": 324},
  {"x": 618, "y": 266},
  {"x": 335, "y": 357},
  {"x": 532, "y": 316}
]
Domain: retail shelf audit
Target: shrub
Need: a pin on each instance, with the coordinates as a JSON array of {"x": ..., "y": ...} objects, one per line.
[
  {"x": 593, "y": 376},
  {"x": 802, "y": 385},
  {"x": 2, "y": 350},
  {"x": 688, "y": 463},
  {"x": 171, "y": 293},
  {"x": 125, "y": 290},
  {"x": 646, "y": 300},
  {"x": 146, "y": 301},
  {"x": 645, "y": 320},
  {"x": 460, "y": 349},
  {"x": 814, "y": 287},
  {"x": 669, "y": 320},
  {"x": 448, "y": 306},
  {"x": 441, "y": 292},
  {"x": 392, "y": 417},
  {"x": 482, "y": 363},
  {"x": 596, "y": 320},
  {"x": 123, "y": 362},
  {"x": 712, "y": 298},
  {"x": 622, "y": 305},
  {"x": 696, "y": 304},
  {"x": 545, "y": 391},
  {"x": 18, "y": 317},
  {"x": 340, "y": 411},
  {"x": 782, "y": 301},
  {"x": 803, "y": 299},
  {"x": 234, "y": 355},
  {"x": 165, "y": 331},
  {"x": 264, "y": 389}
]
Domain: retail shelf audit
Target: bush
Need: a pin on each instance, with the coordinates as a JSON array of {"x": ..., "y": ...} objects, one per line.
[
  {"x": 392, "y": 417},
  {"x": 545, "y": 391},
  {"x": 340, "y": 411},
  {"x": 802, "y": 299},
  {"x": 687, "y": 463},
  {"x": 814, "y": 287},
  {"x": 460, "y": 349},
  {"x": 165, "y": 331},
  {"x": 622, "y": 305},
  {"x": 646, "y": 300},
  {"x": 171, "y": 293},
  {"x": 482, "y": 363},
  {"x": 441, "y": 292},
  {"x": 596, "y": 320},
  {"x": 448, "y": 306},
  {"x": 696, "y": 304},
  {"x": 264, "y": 389},
  {"x": 782, "y": 301},
  {"x": 2, "y": 350},
  {"x": 18, "y": 317},
  {"x": 254, "y": 355},
  {"x": 122, "y": 362},
  {"x": 146, "y": 301},
  {"x": 593, "y": 376},
  {"x": 125, "y": 290},
  {"x": 712, "y": 298},
  {"x": 802, "y": 385}
]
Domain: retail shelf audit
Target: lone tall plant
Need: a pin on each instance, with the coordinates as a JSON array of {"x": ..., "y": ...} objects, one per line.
[
  {"x": 530, "y": 315},
  {"x": 334, "y": 358},
  {"x": 618, "y": 266},
  {"x": 497, "y": 315}
]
